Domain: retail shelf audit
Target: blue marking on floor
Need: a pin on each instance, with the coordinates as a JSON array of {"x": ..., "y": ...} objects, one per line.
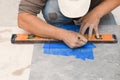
[{"x": 84, "y": 52}]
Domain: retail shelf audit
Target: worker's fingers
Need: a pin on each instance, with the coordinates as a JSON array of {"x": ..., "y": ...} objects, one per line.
[
  {"x": 96, "y": 32},
  {"x": 81, "y": 41},
  {"x": 84, "y": 28},
  {"x": 90, "y": 31},
  {"x": 79, "y": 44},
  {"x": 81, "y": 26},
  {"x": 82, "y": 38}
]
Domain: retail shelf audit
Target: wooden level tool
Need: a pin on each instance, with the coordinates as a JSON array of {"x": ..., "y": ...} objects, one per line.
[{"x": 30, "y": 38}]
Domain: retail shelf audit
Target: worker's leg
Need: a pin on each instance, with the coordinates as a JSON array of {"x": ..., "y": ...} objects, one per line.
[
  {"x": 53, "y": 15},
  {"x": 108, "y": 20}
]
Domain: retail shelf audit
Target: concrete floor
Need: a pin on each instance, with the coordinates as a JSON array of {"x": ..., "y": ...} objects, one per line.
[{"x": 106, "y": 65}]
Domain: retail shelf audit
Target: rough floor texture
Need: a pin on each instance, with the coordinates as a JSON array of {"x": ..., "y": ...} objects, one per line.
[{"x": 106, "y": 65}]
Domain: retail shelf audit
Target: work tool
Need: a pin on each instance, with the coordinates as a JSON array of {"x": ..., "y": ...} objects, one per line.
[{"x": 30, "y": 38}]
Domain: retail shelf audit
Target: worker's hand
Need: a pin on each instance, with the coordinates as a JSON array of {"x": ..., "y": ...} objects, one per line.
[
  {"x": 74, "y": 39},
  {"x": 90, "y": 21}
]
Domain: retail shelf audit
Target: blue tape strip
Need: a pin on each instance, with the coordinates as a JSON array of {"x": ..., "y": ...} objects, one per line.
[
  {"x": 84, "y": 52},
  {"x": 64, "y": 46}
]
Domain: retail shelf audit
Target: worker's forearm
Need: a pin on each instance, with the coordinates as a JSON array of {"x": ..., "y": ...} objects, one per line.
[
  {"x": 38, "y": 27},
  {"x": 105, "y": 7}
]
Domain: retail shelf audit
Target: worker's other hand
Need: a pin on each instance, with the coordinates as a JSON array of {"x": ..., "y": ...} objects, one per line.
[
  {"x": 74, "y": 39},
  {"x": 89, "y": 21}
]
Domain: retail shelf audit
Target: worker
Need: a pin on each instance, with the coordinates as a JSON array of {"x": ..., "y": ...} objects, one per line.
[{"x": 87, "y": 13}]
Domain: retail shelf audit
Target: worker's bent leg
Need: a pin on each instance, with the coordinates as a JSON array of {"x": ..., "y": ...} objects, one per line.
[
  {"x": 108, "y": 20},
  {"x": 52, "y": 14}
]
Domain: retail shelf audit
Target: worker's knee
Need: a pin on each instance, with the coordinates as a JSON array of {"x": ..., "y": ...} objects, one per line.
[
  {"x": 51, "y": 17},
  {"x": 52, "y": 14}
]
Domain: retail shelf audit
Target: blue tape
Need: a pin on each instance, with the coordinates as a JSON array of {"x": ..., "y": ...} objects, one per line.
[
  {"x": 62, "y": 45},
  {"x": 84, "y": 52}
]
